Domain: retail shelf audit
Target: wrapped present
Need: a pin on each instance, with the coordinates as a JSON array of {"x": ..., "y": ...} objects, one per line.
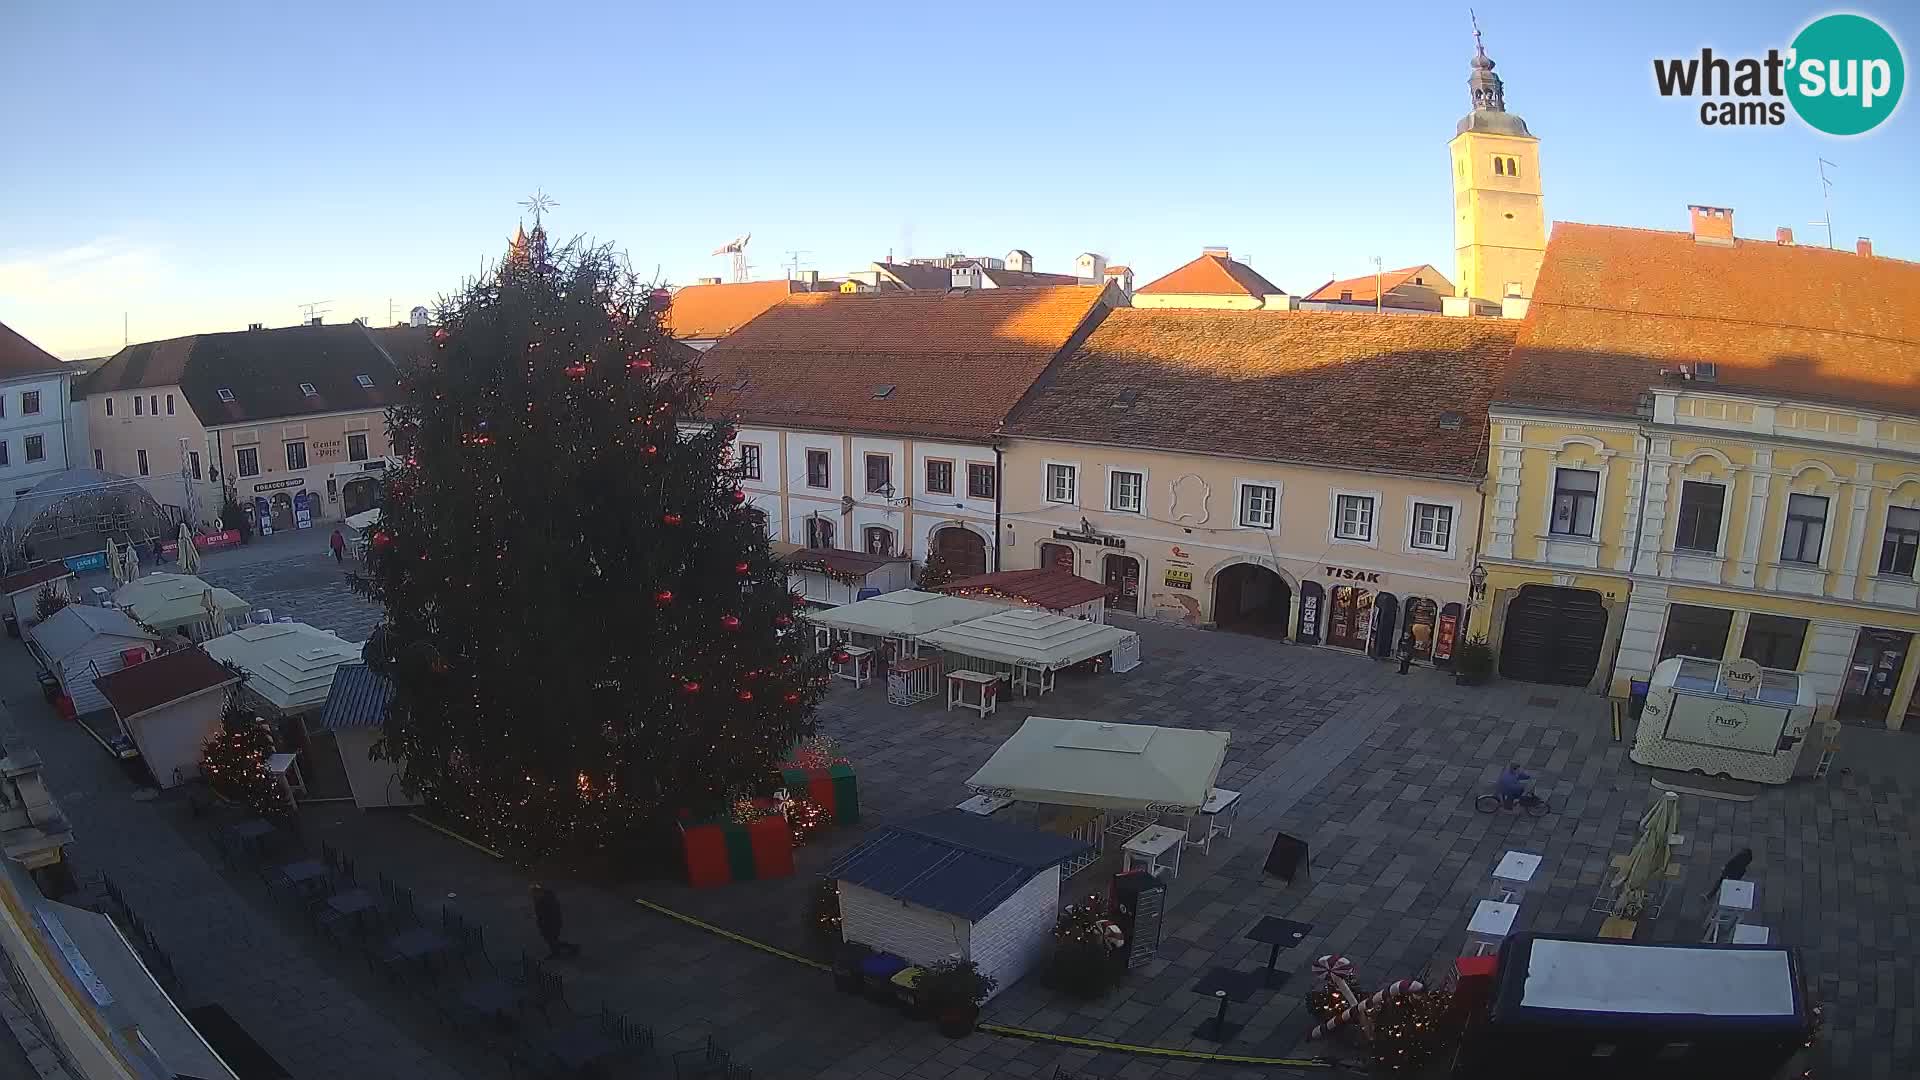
[
  {"x": 834, "y": 788},
  {"x": 723, "y": 851}
]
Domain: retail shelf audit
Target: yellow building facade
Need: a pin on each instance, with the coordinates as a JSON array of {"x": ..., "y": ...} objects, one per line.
[{"x": 1499, "y": 223}]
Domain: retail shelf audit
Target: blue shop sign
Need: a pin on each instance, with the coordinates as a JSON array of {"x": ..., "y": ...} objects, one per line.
[{"x": 81, "y": 564}]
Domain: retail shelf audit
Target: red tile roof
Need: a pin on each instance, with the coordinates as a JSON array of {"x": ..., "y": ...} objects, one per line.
[
  {"x": 1328, "y": 388},
  {"x": 28, "y": 579},
  {"x": 1362, "y": 287},
  {"x": 1050, "y": 588},
  {"x": 18, "y": 356},
  {"x": 701, "y": 312},
  {"x": 162, "y": 680},
  {"x": 956, "y": 362},
  {"x": 1613, "y": 306},
  {"x": 838, "y": 560},
  {"x": 1212, "y": 275}
]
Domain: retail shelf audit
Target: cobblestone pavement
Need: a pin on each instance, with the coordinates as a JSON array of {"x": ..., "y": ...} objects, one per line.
[{"x": 295, "y": 577}]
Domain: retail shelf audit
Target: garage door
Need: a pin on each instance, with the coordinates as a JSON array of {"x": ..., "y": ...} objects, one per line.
[{"x": 1553, "y": 635}]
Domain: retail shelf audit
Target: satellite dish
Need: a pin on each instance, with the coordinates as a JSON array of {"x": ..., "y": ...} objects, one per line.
[{"x": 418, "y": 316}]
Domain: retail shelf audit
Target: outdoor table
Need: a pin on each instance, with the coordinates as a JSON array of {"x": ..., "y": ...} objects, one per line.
[
  {"x": 418, "y": 943},
  {"x": 1280, "y": 934},
  {"x": 987, "y": 686},
  {"x": 1513, "y": 874},
  {"x": 492, "y": 999},
  {"x": 1491, "y": 923},
  {"x": 984, "y": 805},
  {"x": 250, "y": 833},
  {"x": 1224, "y": 984},
  {"x": 301, "y": 875},
  {"x": 858, "y": 668},
  {"x": 1149, "y": 845},
  {"x": 1221, "y": 802},
  {"x": 1732, "y": 905},
  {"x": 912, "y": 681},
  {"x": 352, "y": 904},
  {"x": 1751, "y": 934}
]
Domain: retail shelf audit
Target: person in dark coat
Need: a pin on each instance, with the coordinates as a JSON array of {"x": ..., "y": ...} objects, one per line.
[
  {"x": 546, "y": 915},
  {"x": 1735, "y": 870},
  {"x": 1406, "y": 653},
  {"x": 339, "y": 545}
]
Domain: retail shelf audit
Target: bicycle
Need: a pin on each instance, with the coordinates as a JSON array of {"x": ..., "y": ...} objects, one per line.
[{"x": 1534, "y": 805}]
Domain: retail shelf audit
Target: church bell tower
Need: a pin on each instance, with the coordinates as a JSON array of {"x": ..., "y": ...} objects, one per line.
[{"x": 1499, "y": 222}]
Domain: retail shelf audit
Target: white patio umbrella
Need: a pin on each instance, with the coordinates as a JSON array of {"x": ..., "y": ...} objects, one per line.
[
  {"x": 118, "y": 571},
  {"x": 133, "y": 561},
  {"x": 1652, "y": 851},
  {"x": 212, "y": 608},
  {"x": 189, "y": 555}
]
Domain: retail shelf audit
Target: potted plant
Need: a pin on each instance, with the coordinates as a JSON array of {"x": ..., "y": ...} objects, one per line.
[
  {"x": 951, "y": 991},
  {"x": 1474, "y": 662}
]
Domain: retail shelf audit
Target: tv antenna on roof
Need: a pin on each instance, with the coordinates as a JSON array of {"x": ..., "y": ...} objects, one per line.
[
  {"x": 310, "y": 312},
  {"x": 1826, "y": 199}
]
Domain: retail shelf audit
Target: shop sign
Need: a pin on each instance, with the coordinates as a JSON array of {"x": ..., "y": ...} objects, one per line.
[
  {"x": 81, "y": 564},
  {"x": 327, "y": 448},
  {"x": 1341, "y": 573},
  {"x": 276, "y": 485},
  {"x": 1444, "y": 636},
  {"x": 1179, "y": 579},
  {"x": 1088, "y": 536},
  {"x": 1179, "y": 552},
  {"x": 1310, "y": 616},
  {"x": 1742, "y": 677}
]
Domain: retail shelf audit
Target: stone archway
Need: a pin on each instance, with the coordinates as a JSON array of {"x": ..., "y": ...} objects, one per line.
[
  {"x": 964, "y": 550},
  {"x": 1252, "y": 599}
]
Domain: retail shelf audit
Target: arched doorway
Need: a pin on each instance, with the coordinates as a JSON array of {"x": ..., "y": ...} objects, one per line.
[
  {"x": 1122, "y": 576},
  {"x": 282, "y": 511},
  {"x": 1252, "y": 600},
  {"x": 1553, "y": 635},
  {"x": 962, "y": 548},
  {"x": 262, "y": 514},
  {"x": 360, "y": 495},
  {"x": 1057, "y": 557},
  {"x": 1386, "y": 625},
  {"x": 1349, "y": 616},
  {"x": 1446, "y": 633},
  {"x": 1418, "y": 619}
]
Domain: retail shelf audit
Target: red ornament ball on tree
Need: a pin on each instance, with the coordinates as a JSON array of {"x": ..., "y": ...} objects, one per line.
[
  {"x": 746, "y": 695},
  {"x": 659, "y": 299},
  {"x": 690, "y": 687},
  {"x": 738, "y": 496},
  {"x": 842, "y": 657},
  {"x": 743, "y": 569},
  {"x": 731, "y": 622},
  {"x": 663, "y": 597},
  {"x": 790, "y": 697},
  {"x": 669, "y": 519},
  {"x": 782, "y": 621},
  {"x": 440, "y": 335},
  {"x": 639, "y": 365},
  {"x": 382, "y": 539},
  {"x": 650, "y": 450},
  {"x": 576, "y": 370}
]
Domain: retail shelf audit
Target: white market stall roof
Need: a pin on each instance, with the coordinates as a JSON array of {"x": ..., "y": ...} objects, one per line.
[
  {"x": 164, "y": 601},
  {"x": 76, "y": 626},
  {"x": 1030, "y": 638},
  {"x": 364, "y": 520},
  {"x": 1109, "y": 766},
  {"x": 289, "y": 665},
  {"x": 907, "y": 613}
]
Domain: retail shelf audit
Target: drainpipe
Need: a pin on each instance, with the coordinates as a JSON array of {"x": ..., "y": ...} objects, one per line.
[
  {"x": 999, "y": 498},
  {"x": 1645, "y": 448}
]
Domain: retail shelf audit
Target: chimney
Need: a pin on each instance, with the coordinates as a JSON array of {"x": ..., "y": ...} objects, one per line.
[
  {"x": 314, "y": 321},
  {"x": 707, "y": 281},
  {"x": 1712, "y": 225},
  {"x": 256, "y": 326},
  {"x": 1784, "y": 236},
  {"x": 1218, "y": 251},
  {"x": 809, "y": 278},
  {"x": 1863, "y": 247}
]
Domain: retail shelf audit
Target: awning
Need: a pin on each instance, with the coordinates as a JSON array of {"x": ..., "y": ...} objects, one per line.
[
  {"x": 1049, "y": 588},
  {"x": 1030, "y": 638},
  {"x": 166, "y": 601},
  {"x": 364, "y": 520},
  {"x": 1109, "y": 766},
  {"x": 838, "y": 562},
  {"x": 908, "y": 613}
]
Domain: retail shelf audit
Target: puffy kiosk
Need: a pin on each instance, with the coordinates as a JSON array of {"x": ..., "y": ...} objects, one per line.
[{"x": 1724, "y": 718}]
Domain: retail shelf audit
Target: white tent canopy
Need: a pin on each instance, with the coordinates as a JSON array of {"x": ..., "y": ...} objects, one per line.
[
  {"x": 289, "y": 665},
  {"x": 908, "y": 613},
  {"x": 364, "y": 520},
  {"x": 1030, "y": 638},
  {"x": 1108, "y": 766},
  {"x": 167, "y": 601}
]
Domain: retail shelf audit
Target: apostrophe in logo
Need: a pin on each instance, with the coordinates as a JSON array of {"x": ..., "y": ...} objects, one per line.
[{"x": 1843, "y": 75}]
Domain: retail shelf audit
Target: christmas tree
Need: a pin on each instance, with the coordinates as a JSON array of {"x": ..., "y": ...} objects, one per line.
[
  {"x": 585, "y": 628},
  {"x": 234, "y": 760}
]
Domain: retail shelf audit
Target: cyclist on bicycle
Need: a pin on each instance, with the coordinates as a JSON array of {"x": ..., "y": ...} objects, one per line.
[{"x": 1511, "y": 785}]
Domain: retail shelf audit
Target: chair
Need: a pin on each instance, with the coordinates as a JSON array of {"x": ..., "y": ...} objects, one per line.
[
  {"x": 400, "y": 907},
  {"x": 543, "y": 987},
  {"x": 711, "y": 1060},
  {"x": 620, "y": 1029}
]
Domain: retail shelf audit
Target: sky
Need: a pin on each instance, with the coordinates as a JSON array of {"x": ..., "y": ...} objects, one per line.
[{"x": 173, "y": 169}]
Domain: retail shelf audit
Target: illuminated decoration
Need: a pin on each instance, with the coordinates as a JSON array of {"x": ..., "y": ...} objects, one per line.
[
  {"x": 382, "y": 539},
  {"x": 639, "y": 365},
  {"x": 826, "y": 909},
  {"x": 743, "y": 569},
  {"x": 745, "y": 695},
  {"x": 816, "y": 752},
  {"x": 804, "y": 818},
  {"x": 576, "y": 371},
  {"x": 234, "y": 760},
  {"x": 440, "y": 336},
  {"x": 663, "y": 597},
  {"x": 1404, "y": 1024},
  {"x": 730, "y": 622},
  {"x": 670, "y": 518},
  {"x": 782, "y": 622}
]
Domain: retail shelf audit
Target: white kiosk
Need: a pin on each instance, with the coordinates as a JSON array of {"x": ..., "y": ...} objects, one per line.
[{"x": 1724, "y": 718}]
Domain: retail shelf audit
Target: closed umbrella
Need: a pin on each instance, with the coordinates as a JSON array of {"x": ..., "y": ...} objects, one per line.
[
  {"x": 1647, "y": 863},
  {"x": 133, "y": 561},
  {"x": 212, "y": 608},
  {"x": 113, "y": 563},
  {"x": 189, "y": 555}
]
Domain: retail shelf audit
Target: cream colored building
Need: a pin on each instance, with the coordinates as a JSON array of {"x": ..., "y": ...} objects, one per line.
[
  {"x": 1499, "y": 224},
  {"x": 1263, "y": 471}
]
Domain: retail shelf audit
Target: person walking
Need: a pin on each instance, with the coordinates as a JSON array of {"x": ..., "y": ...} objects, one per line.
[
  {"x": 1406, "y": 653},
  {"x": 1735, "y": 870},
  {"x": 546, "y": 915},
  {"x": 339, "y": 545}
]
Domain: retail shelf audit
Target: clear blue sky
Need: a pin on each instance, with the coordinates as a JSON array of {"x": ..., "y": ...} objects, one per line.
[{"x": 205, "y": 165}]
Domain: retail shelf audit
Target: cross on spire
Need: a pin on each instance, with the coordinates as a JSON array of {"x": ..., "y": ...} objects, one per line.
[
  {"x": 1483, "y": 86},
  {"x": 539, "y": 203},
  {"x": 1478, "y": 47}
]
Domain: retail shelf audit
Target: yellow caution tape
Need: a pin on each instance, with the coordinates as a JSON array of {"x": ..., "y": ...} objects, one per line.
[
  {"x": 444, "y": 831},
  {"x": 1001, "y": 1029}
]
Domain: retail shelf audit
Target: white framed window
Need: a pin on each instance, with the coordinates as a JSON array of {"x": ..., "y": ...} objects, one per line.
[
  {"x": 36, "y": 447},
  {"x": 1353, "y": 514},
  {"x": 296, "y": 454},
  {"x": 1063, "y": 482},
  {"x": 357, "y": 446},
  {"x": 819, "y": 474},
  {"x": 29, "y": 402},
  {"x": 879, "y": 474},
  {"x": 1432, "y": 528},
  {"x": 246, "y": 460},
  {"x": 750, "y": 461},
  {"x": 1259, "y": 505},
  {"x": 1576, "y": 501},
  {"x": 1805, "y": 536},
  {"x": 1126, "y": 491}
]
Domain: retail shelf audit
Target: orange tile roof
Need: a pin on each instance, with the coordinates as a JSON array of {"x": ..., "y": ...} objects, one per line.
[
  {"x": 1212, "y": 275},
  {"x": 1613, "y": 306},
  {"x": 957, "y": 361},
  {"x": 18, "y": 356},
  {"x": 1050, "y": 588},
  {"x": 1362, "y": 287},
  {"x": 1330, "y": 388},
  {"x": 701, "y": 312}
]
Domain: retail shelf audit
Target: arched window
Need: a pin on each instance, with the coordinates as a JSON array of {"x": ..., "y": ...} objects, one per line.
[
  {"x": 1513, "y": 166},
  {"x": 1499, "y": 165},
  {"x": 879, "y": 540},
  {"x": 819, "y": 532}
]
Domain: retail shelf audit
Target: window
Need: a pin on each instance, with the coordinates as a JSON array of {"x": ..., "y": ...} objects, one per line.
[
  {"x": 1696, "y": 631},
  {"x": 750, "y": 461},
  {"x": 365, "y": 381},
  {"x": 3, "y": 454},
  {"x": 880, "y": 475},
  {"x": 109, "y": 406},
  {"x": 1499, "y": 165},
  {"x": 1806, "y": 529},
  {"x": 307, "y": 390},
  {"x": 193, "y": 463},
  {"x": 879, "y": 540},
  {"x": 30, "y": 403},
  {"x": 3, "y": 404},
  {"x": 1258, "y": 504},
  {"x": 296, "y": 454},
  {"x": 153, "y": 404},
  {"x": 1774, "y": 641},
  {"x": 1901, "y": 543},
  {"x": 247, "y": 460},
  {"x": 819, "y": 469},
  {"x": 1353, "y": 517},
  {"x": 357, "y": 446},
  {"x": 1126, "y": 491},
  {"x": 1576, "y": 493},
  {"x": 169, "y": 404},
  {"x": 939, "y": 477},
  {"x": 1700, "y": 507},
  {"x": 99, "y": 459},
  {"x": 982, "y": 481},
  {"x": 819, "y": 532},
  {"x": 141, "y": 457},
  {"x": 1432, "y": 526},
  {"x": 36, "y": 448},
  {"x": 226, "y": 395},
  {"x": 139, "y": 405},
  {"x": 1062, "y": 484}
]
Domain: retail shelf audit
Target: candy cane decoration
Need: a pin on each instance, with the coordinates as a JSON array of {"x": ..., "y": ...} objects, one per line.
[
  {"x": 1394, "y": 990},
  {"x": 1361, "y": 1011}
]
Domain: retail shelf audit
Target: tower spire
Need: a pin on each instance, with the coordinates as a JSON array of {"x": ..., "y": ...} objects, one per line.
[{"x": 1483, "y": 86}]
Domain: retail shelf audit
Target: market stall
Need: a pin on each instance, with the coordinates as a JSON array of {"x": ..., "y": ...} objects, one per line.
[
  {"x": 170, "y": 602},
  {"x": 829, "y": 577},
  {"x": 1028, "y": 646},
  {"x": 1059, "y": 591},
  {"x": 290, "y": 668},
  {"x": 23, "y": 589},
  {"x": 356, "y": 712},
  {"x": 1091, "y": 780},
  {"x": 896, "y": 621},
  {"x": 1732, "y": 718},
  {"x": 360, "y": 528},
  {"x": 80, "y": 643},
  {"x": 169, "y": 707}
]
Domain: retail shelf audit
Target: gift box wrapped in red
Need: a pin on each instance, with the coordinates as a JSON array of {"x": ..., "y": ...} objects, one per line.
[{"x": 723, "y": 851}]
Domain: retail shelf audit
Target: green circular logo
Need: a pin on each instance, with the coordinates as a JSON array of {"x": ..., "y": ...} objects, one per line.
[{"x": 1845, "y": 74}]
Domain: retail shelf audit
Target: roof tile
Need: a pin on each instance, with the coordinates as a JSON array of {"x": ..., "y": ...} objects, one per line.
[
  {"x": 1212, "y": 275},
  {"x": 700, "y": 312},
  {"x": 18, "y": 356},
  {"x": 165, "y": 678}
]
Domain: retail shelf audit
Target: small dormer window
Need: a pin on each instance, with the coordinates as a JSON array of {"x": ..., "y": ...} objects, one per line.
[
  {"x": 225, "y": 394},
  {"x": 307, "y": 389},
  {"x": 365, "y": 381},
  {"x": 1346, "y": 294},
  {"x": 883, "y": 391}
]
